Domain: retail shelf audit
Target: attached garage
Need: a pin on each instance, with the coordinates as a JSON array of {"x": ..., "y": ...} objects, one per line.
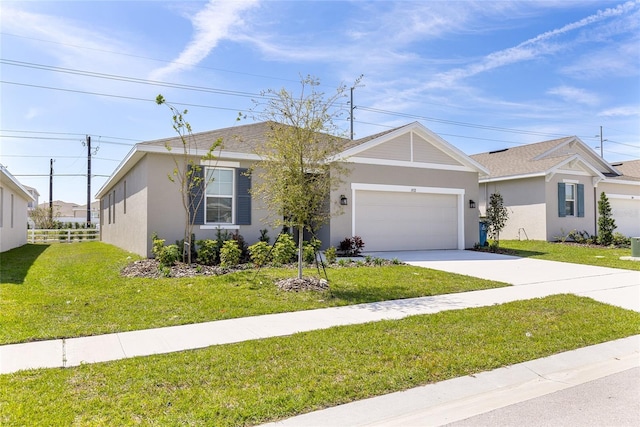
[
  {"x": 626, "y": 212},
  {"x": 395, "y": 217}
]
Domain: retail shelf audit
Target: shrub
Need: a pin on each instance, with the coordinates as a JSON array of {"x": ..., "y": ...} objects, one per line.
[
  {"x": 606, "y": 223},
  {"x": 230, "y": 254},
  {"x": 309, "y": 250},
  {"x": 192, "y": 248},
  {"x": 264, "y": 237},
  {"x": 260, "y": 253},
  {"x": 620, "y": 240},
  {"x": 331, "y": 255},
  {"x": 168, "y": 255},
  {"x": 581, "y": 237},
  {"x": 284, "y": 251},
  {"x": 156, "y": 244},
  {"x": 242, "y": 245},
  {"x": 208, "y": 252},
  {"x": 351, "y": 246}
]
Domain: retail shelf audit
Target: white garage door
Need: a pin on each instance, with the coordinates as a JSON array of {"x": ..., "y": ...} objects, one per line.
[
  {"x": 389, "y": 221},
  {"x": 626, "y": 212}
]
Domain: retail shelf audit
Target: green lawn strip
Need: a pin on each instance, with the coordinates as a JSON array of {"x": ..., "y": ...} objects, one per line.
[
  {"x": 70, "y": 290},
  {"x": 258, "y": 381},
  {"x": 577, "y": 254}
]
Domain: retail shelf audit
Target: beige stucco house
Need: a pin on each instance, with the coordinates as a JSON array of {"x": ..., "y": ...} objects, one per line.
[
  {"x": 14, "y": 198},
  {"x": 407, "y": 189},
  {"x": 551, "y": 188}
]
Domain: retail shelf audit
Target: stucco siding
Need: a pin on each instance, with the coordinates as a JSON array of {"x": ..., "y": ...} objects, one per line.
[
  {"x": 341, "y": 225},
  {"x": 559, "y": 226},
  {"x": 127, "y": 228},
  {"x": 13, "y": 226},
  {"x": 525, "y": 203}
]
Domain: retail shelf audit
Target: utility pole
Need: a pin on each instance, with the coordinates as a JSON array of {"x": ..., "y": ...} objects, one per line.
[
  {"x": 351, "y": 112},
  {"x": 601, "y": 143},
  {"x": 88, "y": 181},
  {"x": 51, "y": 191}
]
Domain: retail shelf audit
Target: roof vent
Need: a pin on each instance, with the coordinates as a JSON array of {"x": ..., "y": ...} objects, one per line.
[
  {"x": 616, "y": 164},
  {"x": 498, "y": 151}
]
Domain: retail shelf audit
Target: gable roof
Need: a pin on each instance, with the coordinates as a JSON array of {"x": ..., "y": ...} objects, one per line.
[
  {"x": 630, "y": 170},
  {"x": 240, "y": 143},
  {"x": 422, "y": 148},
  {"x": 542, "y": 158},
  {"x": 11, "y": 182}
]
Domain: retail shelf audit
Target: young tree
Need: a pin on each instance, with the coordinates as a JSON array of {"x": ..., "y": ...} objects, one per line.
[
  {"x": 298, "y": 168},
  {"x": 44, "y": 218},
  {"x": 497, "y": 216},
  {"x": 606, "y": 224},
  {"x": 187, "y": 172}
]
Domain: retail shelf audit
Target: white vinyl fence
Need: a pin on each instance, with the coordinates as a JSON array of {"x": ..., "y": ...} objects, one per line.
[{"x": 62, "y": 235}]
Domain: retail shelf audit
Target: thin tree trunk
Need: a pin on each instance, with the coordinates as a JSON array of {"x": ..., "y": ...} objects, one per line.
[{"x": 300, "y": 241}]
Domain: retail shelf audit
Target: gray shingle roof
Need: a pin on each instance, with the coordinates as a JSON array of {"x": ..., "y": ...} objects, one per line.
[
  {"x": 630, "y": 170},
  {"x": 237, "y": 139},
  {"x": 522, "y": 160}
]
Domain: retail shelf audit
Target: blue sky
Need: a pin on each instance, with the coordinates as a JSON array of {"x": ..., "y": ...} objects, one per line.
[{"x": 484, "y": 75}]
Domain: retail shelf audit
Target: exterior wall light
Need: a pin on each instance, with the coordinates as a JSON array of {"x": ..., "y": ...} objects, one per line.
[
  {"x": 343, "y": 200},
  {"x": 472, "y": 204}
]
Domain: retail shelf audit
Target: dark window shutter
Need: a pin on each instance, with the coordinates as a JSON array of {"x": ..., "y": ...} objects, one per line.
[
  {"x": 243, "y": 197},
  {"x": 196, "y": 193},
  {"x": 562, "y": 209},
  {"x": 580, "y": 199}
]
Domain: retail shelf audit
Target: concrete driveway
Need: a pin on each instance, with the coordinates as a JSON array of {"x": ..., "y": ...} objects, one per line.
[{"x": 610, "y": 285}]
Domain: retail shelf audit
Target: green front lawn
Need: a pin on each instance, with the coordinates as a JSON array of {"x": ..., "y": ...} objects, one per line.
[
  {"x": 70, "y": 290},
  {"x": 258, "y": 381},
  {"x": 578, "y": 254}
]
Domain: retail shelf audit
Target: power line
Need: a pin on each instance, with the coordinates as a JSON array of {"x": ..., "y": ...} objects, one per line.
[
  {"x": 116, "y": 77},
  {"x": 30, "y": 156},
  {"x": 154, "y": 59},
  {"x": 132, "y": 98},
  {"x": 66, "y": 133}
]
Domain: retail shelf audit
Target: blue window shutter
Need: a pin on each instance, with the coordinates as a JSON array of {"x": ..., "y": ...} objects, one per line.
[
  {"x": 243, "y": 197},
  {"x": 196, "y": 204},
  {"x": 580, "y": 199},
  {"x": 562, "y": 209}
]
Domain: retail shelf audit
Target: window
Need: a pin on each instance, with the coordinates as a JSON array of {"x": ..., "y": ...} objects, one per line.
[
  {"x": 570, "y": 199},
  {"x": 219, "y": 196},
  {"x": 12, "y": 211}
]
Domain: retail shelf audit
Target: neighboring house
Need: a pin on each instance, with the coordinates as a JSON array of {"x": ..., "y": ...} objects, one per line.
[
  {"x": 623, "y": 193},
  {"x": 34, "y": 193},
  {"x": 71, "y": 213},
  {"x": 551, "y": 188},
  {"x": 14, "y": 199},
  {"x": 407, "y": 189}
]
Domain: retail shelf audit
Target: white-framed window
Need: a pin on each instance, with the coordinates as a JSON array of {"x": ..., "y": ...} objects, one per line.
[
  {"x": 569, "y": 199},
  {"x": 219, "y": 196}
]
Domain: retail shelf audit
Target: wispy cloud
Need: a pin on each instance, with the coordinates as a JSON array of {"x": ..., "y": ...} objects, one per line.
[
  {"x": 530, "y": 49},
  {"x": 211, "y": 25},
  {"x": 73, "y": 41},
  {"x": 573, "y": 94},
  {"x": 623, "y": 111}
]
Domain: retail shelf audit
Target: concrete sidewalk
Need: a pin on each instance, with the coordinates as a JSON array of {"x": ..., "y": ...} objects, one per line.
[{"x": 443, "y": 402}]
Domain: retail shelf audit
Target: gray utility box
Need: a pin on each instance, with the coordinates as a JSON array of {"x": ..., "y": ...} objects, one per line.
[{"x": 635, "y": 247}]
